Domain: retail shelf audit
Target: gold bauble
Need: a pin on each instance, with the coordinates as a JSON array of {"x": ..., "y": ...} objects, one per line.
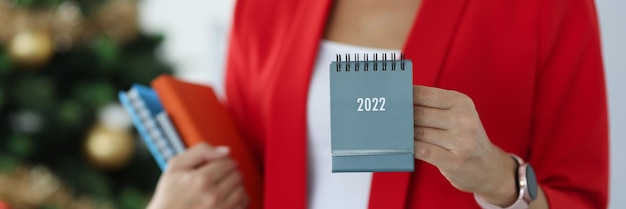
[
  {"x": 36, "y": 187},
  {"x": 31, "y": 48},
  {"x": 118, "y": 19},
  {"x": 107, "y": 148}
]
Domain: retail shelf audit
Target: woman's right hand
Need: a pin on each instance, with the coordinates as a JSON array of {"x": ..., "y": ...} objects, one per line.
[{"x": 202, "y": 177}]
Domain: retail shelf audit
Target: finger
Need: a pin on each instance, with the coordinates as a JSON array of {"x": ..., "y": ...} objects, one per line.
[
  {"x": 438, "y": 137},
  {"x": 230, "y": 182},
  {"x": 215, "y": 171},
  {"x": 218, "y": 152},
  {"x": 190, "y": 159},
  {"x": 243, "y": 205},
  {"x": 433, "y": 154},
  {"x": 221, "y": 188},
  {"x": 245, "y": 202},
  {"x": 236, "y": 197},
  {"x": 431, "y": 117},
  {"x": 434, "y": 97},
  {"x": 196, "y": 156}
]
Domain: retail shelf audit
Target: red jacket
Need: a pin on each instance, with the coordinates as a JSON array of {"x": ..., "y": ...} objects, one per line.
[{"x": 533, "y": 69}]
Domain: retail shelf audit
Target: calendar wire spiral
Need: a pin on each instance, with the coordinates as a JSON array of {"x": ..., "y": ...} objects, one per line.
[{"x": 347, "y": 63}]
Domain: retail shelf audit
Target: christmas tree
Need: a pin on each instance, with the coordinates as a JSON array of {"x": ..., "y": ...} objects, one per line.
[{"x": 64, "y": 140}]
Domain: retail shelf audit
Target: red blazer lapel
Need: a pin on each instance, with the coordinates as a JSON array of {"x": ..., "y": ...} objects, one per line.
[
  {"x": 286, "y": 154},
  {"x": 431, "y": 38},
  {"x": 427, "y": 46}
]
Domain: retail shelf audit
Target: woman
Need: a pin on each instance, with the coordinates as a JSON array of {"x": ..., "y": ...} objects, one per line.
[{"x": 531, "y": 70}]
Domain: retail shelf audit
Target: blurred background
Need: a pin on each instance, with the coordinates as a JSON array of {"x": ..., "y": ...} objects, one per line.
[{"x": 66, "y": 143}]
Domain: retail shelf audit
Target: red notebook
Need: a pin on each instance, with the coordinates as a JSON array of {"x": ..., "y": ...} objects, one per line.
[{"x": 198, "y": 116}]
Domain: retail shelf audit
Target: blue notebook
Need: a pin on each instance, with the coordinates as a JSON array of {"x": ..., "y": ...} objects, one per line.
[
  {"x": 152, "y": 123},
  {"x": 371, "y": 105}
]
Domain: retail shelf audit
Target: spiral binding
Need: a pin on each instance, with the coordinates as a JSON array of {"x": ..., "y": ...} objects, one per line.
[{"x": 366, "y": 63}]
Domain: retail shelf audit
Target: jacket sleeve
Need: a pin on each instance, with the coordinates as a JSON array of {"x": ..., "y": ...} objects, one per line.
[{"x": 570, "y": 126}]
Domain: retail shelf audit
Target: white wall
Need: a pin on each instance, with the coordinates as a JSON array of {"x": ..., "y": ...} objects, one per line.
[
  {"x": 612, "y": 22},
  {"x": 196, "y": 37}
]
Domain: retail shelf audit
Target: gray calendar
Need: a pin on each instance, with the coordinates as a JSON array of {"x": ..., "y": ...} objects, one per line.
[{"x": 371, "y": 100}]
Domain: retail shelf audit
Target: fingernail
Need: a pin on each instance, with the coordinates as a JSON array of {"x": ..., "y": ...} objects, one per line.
[{"x": 222, "y": 150}]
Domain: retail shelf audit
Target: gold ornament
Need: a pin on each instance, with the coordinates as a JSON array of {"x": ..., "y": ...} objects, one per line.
[
  {"x": 107, "y": 148},
  {"x": 36, "y": 187},
  {"x": 67, "y": 26},
  {"x": 30, "y": 48},
  {"x": 121, "y": 25}
]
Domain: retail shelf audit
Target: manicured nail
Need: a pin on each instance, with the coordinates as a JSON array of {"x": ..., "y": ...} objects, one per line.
[{"x": 222, "y": 150}]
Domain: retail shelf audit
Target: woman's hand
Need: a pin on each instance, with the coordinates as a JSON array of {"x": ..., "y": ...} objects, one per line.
[
  {"x": 450, "y": 136},
  {"x": 202, "y": 177}
]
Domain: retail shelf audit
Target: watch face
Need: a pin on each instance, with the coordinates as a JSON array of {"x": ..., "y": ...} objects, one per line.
[{"x": 531, "y": 181}]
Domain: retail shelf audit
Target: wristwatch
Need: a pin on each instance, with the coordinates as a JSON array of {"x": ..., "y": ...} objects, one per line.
[{"x": 526, "y": 184}]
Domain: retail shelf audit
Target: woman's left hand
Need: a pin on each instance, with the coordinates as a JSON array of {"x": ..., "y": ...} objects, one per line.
[{"x": 450, "y": 136}]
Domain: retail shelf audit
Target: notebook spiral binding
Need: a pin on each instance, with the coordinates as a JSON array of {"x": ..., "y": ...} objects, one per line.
[{"x": 347, "y": 64}]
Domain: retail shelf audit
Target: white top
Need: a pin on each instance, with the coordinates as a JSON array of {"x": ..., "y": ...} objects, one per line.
[{"x": 329, "y": 190}]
